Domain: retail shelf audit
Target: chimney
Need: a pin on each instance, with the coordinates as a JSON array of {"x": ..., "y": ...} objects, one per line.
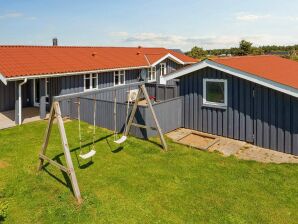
[{"x": 55, "y": 41}]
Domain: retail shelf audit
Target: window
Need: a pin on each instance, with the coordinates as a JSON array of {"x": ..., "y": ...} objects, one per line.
[
  {"x": 90, "y": 81},
  {"x": 119, "y": 78},
  {"x": 152, "y": 74},
  {"x": 215, "y": 93},
  {"x": 163, "y": 68}
]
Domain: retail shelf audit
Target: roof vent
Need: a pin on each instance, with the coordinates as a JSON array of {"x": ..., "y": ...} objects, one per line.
[{"x": 55, "y": 41}]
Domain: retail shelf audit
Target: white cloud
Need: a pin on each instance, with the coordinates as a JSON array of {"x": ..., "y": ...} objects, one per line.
[
  {"x": 185, "y": 43},
  {"x": 11, "y": 15},
  {"x": 119, "y": 34},
  {"x": 16, "y": 15},
  {"x": 292, "y": 18},
  {"x": 250, "y": 17},
  {"x": 242, "y": 16}
]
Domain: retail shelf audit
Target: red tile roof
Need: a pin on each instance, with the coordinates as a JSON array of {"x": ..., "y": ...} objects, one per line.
[
  {"x": 273, "y": 68},
  {"x": 16, "y": 61}
]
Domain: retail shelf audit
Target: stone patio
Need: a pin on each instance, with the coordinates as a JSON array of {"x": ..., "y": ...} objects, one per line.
[
  {"x": 242, "y": 150},
  {"x": 7, "y": 118}
]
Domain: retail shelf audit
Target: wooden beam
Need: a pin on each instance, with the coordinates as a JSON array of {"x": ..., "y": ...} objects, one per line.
[
  {"x": 133, "y": 112},
  {"x": 66, "y": 150},
  {"x": 46, "y": 137},
  {"x": 54, "y": 163},
  {"x": 142, "y": 88},
  {"x": 143, "y": 126},
  {"x": 163, "y": 142},
  {"x": 69, "y": 169}
]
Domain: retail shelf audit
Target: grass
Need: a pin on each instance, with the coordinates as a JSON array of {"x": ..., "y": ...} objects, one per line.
[{"x": 141, "y": 184}]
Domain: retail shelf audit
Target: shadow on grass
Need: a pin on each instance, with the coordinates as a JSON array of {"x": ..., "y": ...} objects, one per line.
[
  {"x": 57, "y": 158},
  {"x": 118, "y": 149},
  {"x": 67, "y": 182}
]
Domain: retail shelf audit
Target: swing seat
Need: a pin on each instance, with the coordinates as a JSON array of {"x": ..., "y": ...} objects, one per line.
[
  {"x": 88, "y": 155},
  {"x": 121, "y": 140}
]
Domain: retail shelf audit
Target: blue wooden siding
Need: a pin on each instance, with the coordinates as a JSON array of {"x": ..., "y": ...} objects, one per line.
[
  {"x": 74, "y": 84},
  {"x": 266, "y": 118},
  {"x": 171, "y": 66},
  {"x": 7, "y": 95}
]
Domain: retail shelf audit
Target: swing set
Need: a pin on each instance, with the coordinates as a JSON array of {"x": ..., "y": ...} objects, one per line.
[{"x": 55, "y": 113}]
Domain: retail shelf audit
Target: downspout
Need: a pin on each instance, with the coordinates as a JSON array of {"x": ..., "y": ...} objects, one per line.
[{"x": 20, "y": 100}]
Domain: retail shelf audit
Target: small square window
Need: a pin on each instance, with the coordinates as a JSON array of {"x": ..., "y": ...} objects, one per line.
[
  {"x": 215, "y": 92},
  {"x": 90, "y": 81},
  {"x": 119, "y": 77},
  {"x": 152, "y": 74},
  {"x": 163, "y": 68}
]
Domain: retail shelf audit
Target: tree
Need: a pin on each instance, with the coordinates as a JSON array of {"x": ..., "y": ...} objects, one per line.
[
  {"x": 245, "y": 47},
  {"x": 257, "y": 51},
  {"x": 197, "y": 52}
]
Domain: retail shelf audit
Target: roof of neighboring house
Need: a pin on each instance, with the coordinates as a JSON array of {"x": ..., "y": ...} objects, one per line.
[
  {"x": 271, "y": 67},
  {"x": 271, "y": 71},
  {"x": 19, "y": 61}
]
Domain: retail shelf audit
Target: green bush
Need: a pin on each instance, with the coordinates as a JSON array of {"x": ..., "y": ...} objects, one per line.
[{"x": 3, "y": 209}]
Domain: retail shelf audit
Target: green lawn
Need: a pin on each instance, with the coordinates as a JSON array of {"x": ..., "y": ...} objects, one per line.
[{"x": 141, "y": 184}]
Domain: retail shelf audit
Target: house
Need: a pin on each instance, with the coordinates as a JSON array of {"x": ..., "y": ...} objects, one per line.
[
  {"x": 250, "y": 98},
  {"x": 31, "y": 75}
]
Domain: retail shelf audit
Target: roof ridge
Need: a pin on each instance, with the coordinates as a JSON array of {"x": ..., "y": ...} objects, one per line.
[{"x": 76, "y": 46}]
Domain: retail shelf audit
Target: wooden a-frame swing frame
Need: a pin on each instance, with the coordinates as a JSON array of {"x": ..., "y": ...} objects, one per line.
[
  {"x": 56, "y": 113},
  {"x": 68, "y": 169}
]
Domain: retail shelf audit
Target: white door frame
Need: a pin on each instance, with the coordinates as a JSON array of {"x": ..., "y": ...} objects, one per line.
[{"x": 35, "y": 104}]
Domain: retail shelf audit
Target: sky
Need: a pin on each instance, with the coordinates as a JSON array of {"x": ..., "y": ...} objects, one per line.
[{"x": 153, "y": 23}]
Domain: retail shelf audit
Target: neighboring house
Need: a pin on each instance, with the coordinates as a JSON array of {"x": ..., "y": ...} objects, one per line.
[
  {"x": 252, "y": 98},
  {"x": 31, "y": 75}
]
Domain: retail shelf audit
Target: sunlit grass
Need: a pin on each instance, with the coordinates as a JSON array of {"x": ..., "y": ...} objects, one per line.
[{"x": 140, "y": 184}]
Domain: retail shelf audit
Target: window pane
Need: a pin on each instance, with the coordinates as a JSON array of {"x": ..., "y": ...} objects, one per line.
[
  {"x": 122, "y": 79},
  {"x": 94, "y": 83},
  {"x": 215, "y": 92},
  {"x": 37, "y": 91},
  {"x": 153, "y": 73},
  {"x": 87, "y": 83},
  {"x": 149, "y": 74},
  {"x": 163, "y": 69},
  {"x": 116, "y": 79}
]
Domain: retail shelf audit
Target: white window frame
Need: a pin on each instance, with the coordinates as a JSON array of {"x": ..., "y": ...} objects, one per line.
[
  {"x": 163, "y": 69},
  {"x": 119, "y": 73},
  {"x": 91, "y": 76},
  {"x": 151, "y": 71},
  {"x": 214, "y": 104}
]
